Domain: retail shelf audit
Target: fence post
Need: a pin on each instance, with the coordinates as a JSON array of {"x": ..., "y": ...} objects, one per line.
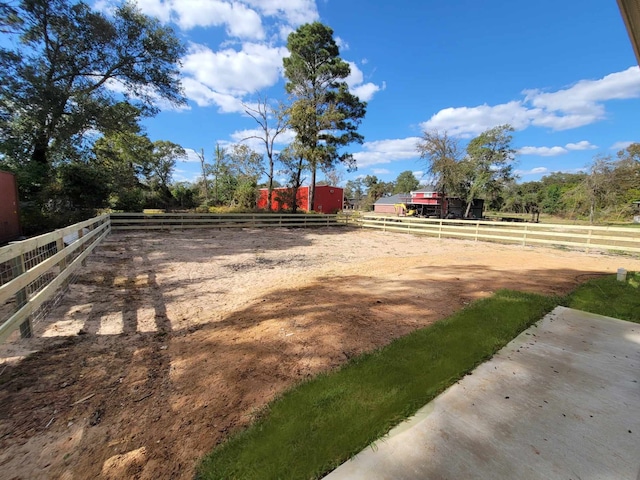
[
  {"x": 384, "y": 224},
  {"x": 588, "y": 241},
  {"x": 60, "y": 247},
  {"x": 82, "y": 247},
  {"x": 19, "y": 267},
  {"x": 440, "y": 229},
  {"x": 524, "y": 236},
  {"x": 477, "y": 229}
]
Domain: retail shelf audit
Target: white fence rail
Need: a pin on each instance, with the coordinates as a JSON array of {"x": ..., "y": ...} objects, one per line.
[
  {"x": 619, "y": 239},
  {"x": 179, "y": 221},
  {"x": 34, "y": 272}
]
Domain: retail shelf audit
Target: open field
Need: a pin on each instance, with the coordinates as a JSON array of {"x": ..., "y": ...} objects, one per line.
[{"x": 186, "y": 335}]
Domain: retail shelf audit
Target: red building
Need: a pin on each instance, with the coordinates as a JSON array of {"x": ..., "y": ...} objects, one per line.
[
  {"x": 328, "y": 199},
  {"x": 428, "y": 202},
  {"x": 9, "y": 213}
]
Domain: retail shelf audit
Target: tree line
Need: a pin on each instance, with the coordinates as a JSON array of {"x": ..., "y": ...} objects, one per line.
[
  {"x": 77, "y": 83},
  {"x": 605, "y": 190}
]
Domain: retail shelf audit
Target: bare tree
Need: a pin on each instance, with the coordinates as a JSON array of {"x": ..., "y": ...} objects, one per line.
[
  {"x": 272, "y": 122},
  {"x": 332, "y": 175}
]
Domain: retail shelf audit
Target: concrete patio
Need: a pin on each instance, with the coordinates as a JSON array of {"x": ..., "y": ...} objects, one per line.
[{"x": 562, "y": 400}]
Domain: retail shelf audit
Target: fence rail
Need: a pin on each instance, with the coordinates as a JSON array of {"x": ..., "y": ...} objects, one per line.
[
  {"x": 179, "y": 221},
  {"x": 576, "y": 236},
  {"x": 33, "y": 272}
]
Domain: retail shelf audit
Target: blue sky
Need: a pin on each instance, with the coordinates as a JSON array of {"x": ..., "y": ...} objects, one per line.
[{"x": 563, "y": 73}]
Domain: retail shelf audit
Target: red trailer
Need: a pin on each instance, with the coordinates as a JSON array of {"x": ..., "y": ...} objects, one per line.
[
  {"x": 328, "y": 199},
  {"x": 9, "y": 208}
]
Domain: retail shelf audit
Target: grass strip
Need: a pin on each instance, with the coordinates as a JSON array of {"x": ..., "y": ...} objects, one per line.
[
  {"x": 319, "y": 424},
  {"x": 608, "y": 296}
]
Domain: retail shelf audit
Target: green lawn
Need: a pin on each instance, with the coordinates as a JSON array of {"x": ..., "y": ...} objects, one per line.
[
  {"x": 607, "y": 296},
  {"x": 316, "y": 426}
]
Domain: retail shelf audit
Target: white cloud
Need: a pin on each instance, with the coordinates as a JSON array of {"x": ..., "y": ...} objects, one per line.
[
  {"x": 294, "y": 12},
  {"x": 356, "y": 77},
  {"x": 240, "y": 21},
  {"x": 620, "y": 145},
  {"x": 205, "y": 97},
  {"x": 238, "y": 18},
  {"x": 469, "y": 121},
  {"x": 284, "y": 32},
  {"x": 572, "y": 107},
  {"x": 342, "y": 45},
  {"x": 381, "y": 171},
  {"x": 533, "y": 171},
  {"x": 364, "y": 91},
  {"x": 254, "y": 67},
  {"x": 242, "y": 18},
  {"x": 159, "y": 102},
  {"x": 386, "y": 151},
  {"x": 543, "y": 151},
  {"x": 554, "y": 151},
  {"x": 583, "y": 145},
  {"x": 256, "y": 144},
  {"x": 192, "y": 156}
]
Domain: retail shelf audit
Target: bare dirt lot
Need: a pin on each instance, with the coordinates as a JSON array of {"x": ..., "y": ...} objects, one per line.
[{"x": 184, "y": 336}]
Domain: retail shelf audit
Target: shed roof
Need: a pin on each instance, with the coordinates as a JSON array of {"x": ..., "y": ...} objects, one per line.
[{"x": 393, "y": 199}]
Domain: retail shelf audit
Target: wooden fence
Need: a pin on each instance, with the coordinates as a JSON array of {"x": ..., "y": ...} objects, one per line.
[
  {"x": 180, "y": 221},
  {"x": 33, "y": 271},
  {"x": 619, "y": 239}
]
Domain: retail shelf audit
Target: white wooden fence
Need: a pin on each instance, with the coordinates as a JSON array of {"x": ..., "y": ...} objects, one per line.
[
  {"x": 618, "y": 239},
  {"x": 33, "y": 271},
  {"x": 179, "y": 221}
]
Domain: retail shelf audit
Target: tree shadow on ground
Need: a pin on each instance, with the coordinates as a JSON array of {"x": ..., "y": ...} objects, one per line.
[{"x": 150, "y": 404}]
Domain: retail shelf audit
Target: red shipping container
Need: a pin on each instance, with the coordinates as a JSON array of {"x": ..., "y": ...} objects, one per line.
[
  {"x": 328, "y": 199},
  {"x": 9, "y": 208}
]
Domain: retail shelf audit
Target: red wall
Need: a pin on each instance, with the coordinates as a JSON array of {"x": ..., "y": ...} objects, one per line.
[
  {"x": 9, "y": 216},
  {"x": 302, "y": 196},
  {"x": 328, "y": 199}
]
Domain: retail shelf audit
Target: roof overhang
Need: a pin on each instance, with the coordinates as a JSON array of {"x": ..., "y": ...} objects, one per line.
[{"x": 630, "y": 10}]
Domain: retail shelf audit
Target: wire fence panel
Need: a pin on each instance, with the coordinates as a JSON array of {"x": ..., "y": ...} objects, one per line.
[{"x": 35, "y": 273}]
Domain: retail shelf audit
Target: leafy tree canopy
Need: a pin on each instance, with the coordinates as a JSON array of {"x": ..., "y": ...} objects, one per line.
[
  {"x": 323, "y": 113},
  {"x": 406, "y": 182},
  {"x": 57, "y": 69}
]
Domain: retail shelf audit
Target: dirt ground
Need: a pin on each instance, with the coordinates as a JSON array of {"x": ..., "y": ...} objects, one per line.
[{"x": 169, "y": 342}]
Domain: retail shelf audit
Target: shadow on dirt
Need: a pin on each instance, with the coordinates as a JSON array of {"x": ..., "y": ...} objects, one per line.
[{"x": 150, "y": 404}]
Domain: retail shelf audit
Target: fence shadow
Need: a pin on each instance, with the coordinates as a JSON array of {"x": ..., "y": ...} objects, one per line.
[{"x": 151, "y": 403}]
